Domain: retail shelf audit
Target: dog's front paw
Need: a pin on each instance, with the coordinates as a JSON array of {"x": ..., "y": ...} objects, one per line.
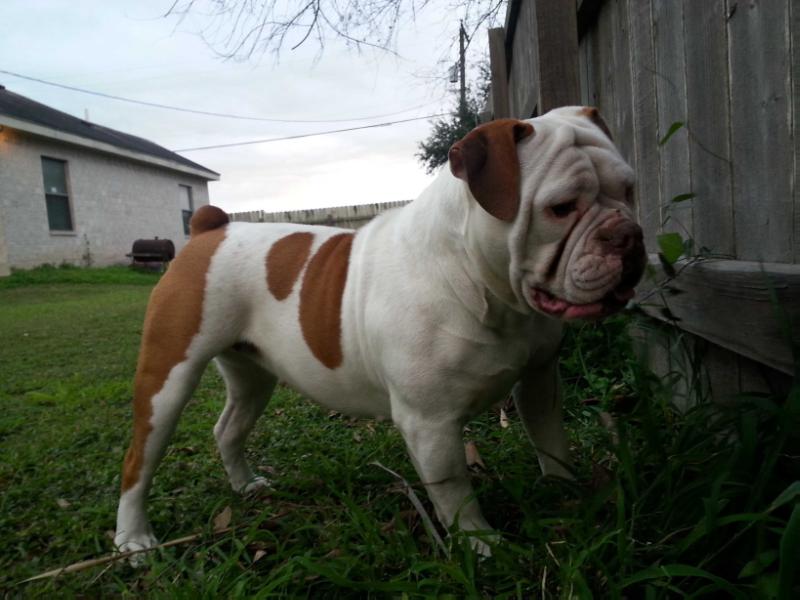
[
  {"x": 256, "y": 486},
  {"x": 482, "y": 543},
  {"x": 135, "y": 543}
]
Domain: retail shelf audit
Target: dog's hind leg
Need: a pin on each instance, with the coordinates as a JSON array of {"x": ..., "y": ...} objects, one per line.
[
  {"x": 158, "y": 403},
  {"x": 249, "y": 388},
  {"x": 174, "y": 352}
]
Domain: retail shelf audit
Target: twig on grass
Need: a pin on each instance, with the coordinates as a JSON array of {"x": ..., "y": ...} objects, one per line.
[
  {"x": 94, "y": 562},
  {"x": 426, "y": 518}
]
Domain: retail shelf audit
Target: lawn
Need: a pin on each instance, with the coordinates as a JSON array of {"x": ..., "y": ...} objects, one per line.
[{"x": 699, "y": 502}]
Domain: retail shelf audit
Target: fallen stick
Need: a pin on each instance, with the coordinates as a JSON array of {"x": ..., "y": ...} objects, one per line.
[
  {"x": 87, "y": 564},
  {"x": 426, "y": 519}
]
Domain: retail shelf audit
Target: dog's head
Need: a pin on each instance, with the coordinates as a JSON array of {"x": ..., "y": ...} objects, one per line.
[{"x": 565, "y": 196}]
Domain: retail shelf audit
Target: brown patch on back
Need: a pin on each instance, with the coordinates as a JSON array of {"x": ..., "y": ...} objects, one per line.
[
  {"x": 591, "y": 113},
  {"x": 285, "y": 260},
  {"x": 486, "y": 158},
  {"x": 173, "y": 318},
  {"x": 207, "y": 218},
  {"x": 321, "y": 299}
]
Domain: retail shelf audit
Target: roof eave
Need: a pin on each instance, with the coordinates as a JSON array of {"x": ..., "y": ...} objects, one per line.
[{"x": 49, "y": 132}]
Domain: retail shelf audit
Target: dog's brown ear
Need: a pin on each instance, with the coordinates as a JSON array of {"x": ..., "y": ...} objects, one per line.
[
  {"x": 486, "y": 158},
  {"x": 591, "y": 113}
]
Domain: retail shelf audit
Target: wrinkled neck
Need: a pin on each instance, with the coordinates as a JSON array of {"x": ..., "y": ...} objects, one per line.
[
  {"x": 469, "y": 245},
  {"x": 486, "y": 244}
]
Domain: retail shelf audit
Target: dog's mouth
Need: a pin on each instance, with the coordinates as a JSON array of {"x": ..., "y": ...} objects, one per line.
[{"x": 552, "y": 305}]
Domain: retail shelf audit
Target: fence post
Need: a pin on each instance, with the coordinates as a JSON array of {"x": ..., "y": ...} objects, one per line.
[
  {"x": 547, "y": 72},
  {"x": 497, "y": 59},
  {"x": 556, "y": 36}
]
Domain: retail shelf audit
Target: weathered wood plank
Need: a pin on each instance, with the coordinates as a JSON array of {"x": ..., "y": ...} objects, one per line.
[
  {"x": 584, "y": 60},
  {"x": 557, "y": 37},
  {"x": 794, "y": 26},
  {"x": 645, "y": 121},
  {"x": 499, "y": 69},
  {"x": 671, "y": 98},
  {"x": 523, "y": 77},
  {"x": 623, "y": 103},
  {"x": 708, "y": 123},
  {"x": 603, "y": 63},
  {"x": 761, "y": 129},
  {"x": 729, "y": 303},
  {"x": 722, "y": 370}
]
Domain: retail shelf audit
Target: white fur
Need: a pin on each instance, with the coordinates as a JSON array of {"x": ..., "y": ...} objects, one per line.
[{"x": 437, "y": 322}]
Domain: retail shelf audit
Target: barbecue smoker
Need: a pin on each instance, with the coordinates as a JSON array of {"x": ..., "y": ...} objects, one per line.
[{"x": 152, "y": 254}]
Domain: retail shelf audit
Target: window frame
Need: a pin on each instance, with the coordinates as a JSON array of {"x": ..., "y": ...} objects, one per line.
[
  {"x": 67, "y": 196},
  {"x": 186, "y": 215}
]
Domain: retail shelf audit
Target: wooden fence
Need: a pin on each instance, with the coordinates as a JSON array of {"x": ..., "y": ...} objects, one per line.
[
  {"x": 351, "y": 217},
  {"x": 729, "y": 71}
]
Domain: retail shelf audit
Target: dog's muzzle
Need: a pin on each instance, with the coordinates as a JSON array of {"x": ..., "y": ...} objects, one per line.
[{"x": 602, "y": 280}]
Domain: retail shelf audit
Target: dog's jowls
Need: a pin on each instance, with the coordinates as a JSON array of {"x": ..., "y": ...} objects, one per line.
[{"x": 427, "y": 315}]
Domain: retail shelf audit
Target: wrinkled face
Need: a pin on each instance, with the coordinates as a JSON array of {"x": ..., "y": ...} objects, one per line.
[{"x": 575, "y": 250}]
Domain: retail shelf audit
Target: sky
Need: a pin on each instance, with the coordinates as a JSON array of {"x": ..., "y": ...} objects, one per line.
[{"x": 127, "y": 48}]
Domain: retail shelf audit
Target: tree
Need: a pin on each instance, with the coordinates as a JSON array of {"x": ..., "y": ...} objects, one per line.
[
  {"x": 447, "y": 131},
  {"x": 243, "y": 29}
]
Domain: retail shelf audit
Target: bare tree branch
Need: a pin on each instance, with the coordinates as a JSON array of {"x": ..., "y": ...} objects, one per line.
[{"x": 244, "y": 29}]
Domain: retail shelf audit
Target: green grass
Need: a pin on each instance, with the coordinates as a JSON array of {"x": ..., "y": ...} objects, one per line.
[
  {"x": 701, "y": 503},
  {"x": 48, "y": 275}
]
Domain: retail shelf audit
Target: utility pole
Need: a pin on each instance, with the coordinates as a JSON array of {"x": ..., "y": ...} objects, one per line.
[{"x": 462, "y": 37}]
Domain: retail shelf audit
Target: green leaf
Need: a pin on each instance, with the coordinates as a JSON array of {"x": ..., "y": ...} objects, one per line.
[
  {"x": 767, "y": 586},
  {"x": 671, "y": 245},
  {"x": 672, "y": 129},
  {"x": 758, "y": 564},
  {"x": 790, "y": 550},
  {"x": 666, "y": 265},
  {"x": 683, "y": 197},
  {"x": 785, "y": 496}
]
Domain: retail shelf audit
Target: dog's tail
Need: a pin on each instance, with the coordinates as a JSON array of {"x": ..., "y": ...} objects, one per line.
[{"x": 207, "y": 218}]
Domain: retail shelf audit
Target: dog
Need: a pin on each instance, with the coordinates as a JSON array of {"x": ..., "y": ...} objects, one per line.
[{"x": 427, "y": 315}]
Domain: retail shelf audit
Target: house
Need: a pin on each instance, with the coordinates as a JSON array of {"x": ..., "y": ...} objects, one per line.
[{"x": 76, "y": 192}]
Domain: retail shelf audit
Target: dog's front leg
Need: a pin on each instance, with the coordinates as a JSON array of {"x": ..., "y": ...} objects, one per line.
[
  {"x": 537, "y": 397},
  {"x": 437, "y": 451}
]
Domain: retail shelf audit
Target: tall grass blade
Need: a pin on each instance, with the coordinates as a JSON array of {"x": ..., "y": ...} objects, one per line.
[
  {"x": 790, "y": 554},
  {"x": 667, "y": 572}
]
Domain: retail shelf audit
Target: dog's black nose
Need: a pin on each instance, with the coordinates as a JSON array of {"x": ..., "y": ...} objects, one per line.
[{"x": 620, "y": 237}]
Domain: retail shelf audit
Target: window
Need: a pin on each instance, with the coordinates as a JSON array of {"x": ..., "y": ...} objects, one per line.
[
  {"x": 187, "y": 206},
  {"x": 59, "y": 215}
]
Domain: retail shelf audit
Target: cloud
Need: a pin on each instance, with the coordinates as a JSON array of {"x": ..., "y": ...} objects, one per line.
[{"x": 123, "y": 48}]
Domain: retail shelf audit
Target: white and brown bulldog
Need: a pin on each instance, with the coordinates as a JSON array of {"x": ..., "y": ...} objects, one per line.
[{"x": 427, "y": 315}]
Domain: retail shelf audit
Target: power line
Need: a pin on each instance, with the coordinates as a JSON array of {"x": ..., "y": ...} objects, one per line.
[
  {"x": 203, "y": 112},
  {"x": 305, "y": 135}
]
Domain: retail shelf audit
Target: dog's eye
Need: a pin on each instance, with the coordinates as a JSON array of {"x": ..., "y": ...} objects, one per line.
[{"x": 564, "y": 209}]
